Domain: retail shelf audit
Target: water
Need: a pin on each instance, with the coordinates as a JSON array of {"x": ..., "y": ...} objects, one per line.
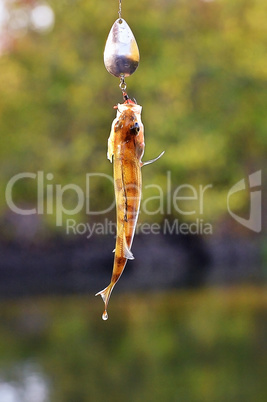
[
  {"x": 23, "y": 382},
  {"x": 105, "y": 315},
  {"x": 179, "y": 346}
]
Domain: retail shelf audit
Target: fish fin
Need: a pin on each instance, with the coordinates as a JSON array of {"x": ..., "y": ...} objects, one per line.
[
  {"x": 110, "y": 152},
  {"x": 126, "y": 251},
  {"x": 105, "y": 294},
  {"x": 110, "y": 149},
  {"x": 152, "y": 160}
]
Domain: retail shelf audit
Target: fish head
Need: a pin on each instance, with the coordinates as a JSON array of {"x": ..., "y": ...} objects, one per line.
[
  {"x": 129, "y": 129},
  {"x": 129, "y": 121}
]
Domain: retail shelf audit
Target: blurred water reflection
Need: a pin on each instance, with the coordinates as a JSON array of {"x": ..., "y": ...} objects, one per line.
[
  {"x": 23, "y": 382},
  {"x": 187, "y": 346}
]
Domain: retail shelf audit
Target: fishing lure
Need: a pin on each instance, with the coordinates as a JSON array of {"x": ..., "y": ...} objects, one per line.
[{"x": 125, "y": 147}]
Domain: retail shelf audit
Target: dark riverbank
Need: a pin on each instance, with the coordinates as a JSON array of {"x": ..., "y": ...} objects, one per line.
[{"x": 72, "y": 265}]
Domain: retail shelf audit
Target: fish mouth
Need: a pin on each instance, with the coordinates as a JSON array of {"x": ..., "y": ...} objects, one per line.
[{"x": 121, "y": 107}]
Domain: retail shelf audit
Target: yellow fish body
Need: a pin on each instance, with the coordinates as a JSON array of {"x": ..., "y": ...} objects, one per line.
[{"x": 126, "y": 146}]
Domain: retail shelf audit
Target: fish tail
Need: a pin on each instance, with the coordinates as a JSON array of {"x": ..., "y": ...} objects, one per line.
[{"x": 105, "y": 294}]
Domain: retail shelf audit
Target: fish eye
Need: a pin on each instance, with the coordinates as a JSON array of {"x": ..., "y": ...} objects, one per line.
[{"x": 135, "y": 127}]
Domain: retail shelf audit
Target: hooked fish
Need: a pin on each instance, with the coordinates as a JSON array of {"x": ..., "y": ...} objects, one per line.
[{"x": 126, "y": 147}]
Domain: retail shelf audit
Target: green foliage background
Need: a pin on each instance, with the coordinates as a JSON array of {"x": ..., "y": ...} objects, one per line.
[{"x": 202, "y": 82}]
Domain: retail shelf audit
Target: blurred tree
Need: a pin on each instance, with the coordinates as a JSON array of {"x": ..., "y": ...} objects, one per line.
[{"x": 202, "y": 82}]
